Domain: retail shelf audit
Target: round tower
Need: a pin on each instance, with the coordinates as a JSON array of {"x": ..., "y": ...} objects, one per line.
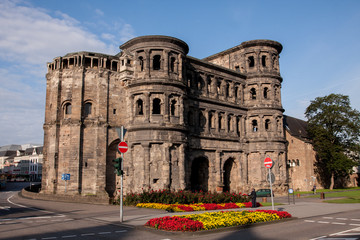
[
  {"x": 156, "y": 129},
  {"x": 262, "y": 97}
]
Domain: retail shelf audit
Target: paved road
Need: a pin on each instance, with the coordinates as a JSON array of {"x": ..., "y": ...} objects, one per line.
[{"x": 44, "y": 220}]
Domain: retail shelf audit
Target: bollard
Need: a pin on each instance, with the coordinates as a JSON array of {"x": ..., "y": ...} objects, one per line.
[
  {"x": 264, "y": 199},
  {"x": 322, "y": 195}
]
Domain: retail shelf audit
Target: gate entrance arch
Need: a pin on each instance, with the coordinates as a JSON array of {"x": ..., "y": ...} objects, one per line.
[
  {"x": 110, "y": 187},
  {"x": 200, "y": 174},
  {"x": 231, "y": 176}
]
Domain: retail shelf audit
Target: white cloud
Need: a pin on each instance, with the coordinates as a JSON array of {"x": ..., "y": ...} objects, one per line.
[{"x": 30, "y": 37}]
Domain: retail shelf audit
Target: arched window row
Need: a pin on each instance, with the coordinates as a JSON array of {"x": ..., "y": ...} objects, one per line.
[
  {"x": 266, "y": 61},
  {"x": 266, "y": 92},
  {"x": 265, "y": 124},
  {"x": 87, "y": 109},
  {"x": 215, "y": 87},
  {"x": 157, "y": 60},
  {"x": 156, "y": 105},
  {"x": 214, "y": 121},
  {"x": 293, "y": 163},
  {"x": 88, "y": 61}
]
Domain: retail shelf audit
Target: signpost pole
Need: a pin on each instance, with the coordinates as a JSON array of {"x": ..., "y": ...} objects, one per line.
[
  {"x": 272, "y": 197},
  {"x": 121, "y": 179}
]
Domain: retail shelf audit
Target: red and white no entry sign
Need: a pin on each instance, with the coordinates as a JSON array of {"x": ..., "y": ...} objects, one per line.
[
  {"x": 268, "y": 162},
  {"x": 123, "y": 147}
]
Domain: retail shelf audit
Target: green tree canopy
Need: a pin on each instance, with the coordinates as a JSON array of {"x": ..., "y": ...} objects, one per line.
[{"x": 335, "y": 130}]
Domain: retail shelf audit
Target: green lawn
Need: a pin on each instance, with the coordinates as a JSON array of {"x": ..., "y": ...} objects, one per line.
[{"x": 344, "y": 195}]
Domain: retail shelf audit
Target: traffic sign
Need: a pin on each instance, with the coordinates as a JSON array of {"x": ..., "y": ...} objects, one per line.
[
  {"x": 268, "y": 162},
  {"x": 65, "y": 176},
  {"x": 272, "y": 177},
  {"x": 123, "y": 147}
]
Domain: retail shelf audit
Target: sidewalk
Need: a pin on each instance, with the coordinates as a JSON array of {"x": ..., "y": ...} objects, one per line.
[{"x": 303, "y": 208}]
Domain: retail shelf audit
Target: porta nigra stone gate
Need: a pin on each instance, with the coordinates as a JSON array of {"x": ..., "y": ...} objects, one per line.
[{"x": 195, "y": 124}]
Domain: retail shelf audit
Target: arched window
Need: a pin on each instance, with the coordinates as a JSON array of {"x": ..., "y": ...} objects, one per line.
[
  {"x": 229, "y": 125},
  {"x": 236, "y": 89},
  {"x": 173, "y": 107},
  {"x": 139, "y": 107},
  {"x": 141, "y": 63},
  {"x": 254, "y": 126},
  {"x": 297, "y": 162},
  {"x": 251, "y": 61},
  {"x": 211, "y": 120},
  {"x": 266, "y": 92},
  {"x": 220, "y": 122},
  {"x": 253, "y": 93},
  {"x": 209, "y": 84},
  {"x": 263, "y": 60},
  {"x": 156, "y": 62},
  {"x": 156, "y": 106},
  {"x": 172, "y": 64},
  {"x": 67, "y": 109},
  {"x": 87, "y": 109},
  {"x": 267, "y": 124},
  {"x": 227, "y": 90}
]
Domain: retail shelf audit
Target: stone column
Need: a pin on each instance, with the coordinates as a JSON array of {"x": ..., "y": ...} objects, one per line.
[
  {"x": 146, "y": 106},
  {"x": 166, "y": 108},
  {"x": 264, "y": 170},
  {"x": 182, "y": 166},
  {"x": 207, "y": 124},
  {"x": 146, "y": 182},
  {"x": 181, "y": 110},
  {"x": 218, "y": 168},
  {"x": 147, "y": 62},
  {"x": 166, "y": 61},
  {"x": 166, "y": 174},
  {"x": 132, "y": 106},
  {"x": 245, "y": 168}
]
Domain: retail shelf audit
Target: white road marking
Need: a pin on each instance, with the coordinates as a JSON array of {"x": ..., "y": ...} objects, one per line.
[
  {"x": 338, "y": 223},
  {"x": 354, "y": 224},
  {"x": 87, "y": 234},
  {"x": 68, "y": 236},
  {"x": 354, "y": 219},
  {"x": 341, "y": 218},
  {"x": 328, "y": 217},
  {"x": 104, "y": 232},
  {"x": 19, "y": 205},
  {"x": 317, "y": 238},
  {"x": 343, "y": 232},
  {"x": 322, "y": 222},
  {"x": 49, "y": 238},
  {"x": 121, "y": 231},
  {"x": 309, "y": 221},
  {"x": 7, "y": 208}
]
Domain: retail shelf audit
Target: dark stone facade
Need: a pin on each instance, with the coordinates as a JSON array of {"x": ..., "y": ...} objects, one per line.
[{"x": 191, "y": 124}]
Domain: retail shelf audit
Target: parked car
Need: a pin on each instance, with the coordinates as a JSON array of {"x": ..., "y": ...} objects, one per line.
[{"x": 263, "y": 193}]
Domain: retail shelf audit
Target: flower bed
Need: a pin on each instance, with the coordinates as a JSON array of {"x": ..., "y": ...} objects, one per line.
[
  {"x": 194, "y": 207},
  {"x": 214, "y": 220},
  {"x": 183, "y": 197}
]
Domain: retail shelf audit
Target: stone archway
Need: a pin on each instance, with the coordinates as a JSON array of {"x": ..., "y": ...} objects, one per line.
[
  {"x": 231, "y": 177},
  {"x": 200, "y": 174},
  {"x": 110, "y": 177}
]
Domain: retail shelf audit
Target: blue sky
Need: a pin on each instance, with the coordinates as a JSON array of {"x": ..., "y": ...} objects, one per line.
[{"x": 321, "y": 52}]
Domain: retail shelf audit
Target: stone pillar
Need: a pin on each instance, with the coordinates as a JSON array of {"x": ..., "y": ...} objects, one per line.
[
  {"x": 216, "y": 116},
  {"x": 146, "y": 106},
  {"x": 166, "y": 174},
  {"x": 166, "y": 108},
  {"x": 146, "y": 147},
  {"x": 218, "y": 168},
  {"x": 263, "y": 168},
  {"x": 132, "y": 106},
  {"x": 245, "y": 168},
  {"x": 181, "y": 110},
  {"x": 147, "y": 62},
  {"x": 166, "y": 61},
  {"x": 207, "y": 124},
  {"x": 182, "y": 166}
]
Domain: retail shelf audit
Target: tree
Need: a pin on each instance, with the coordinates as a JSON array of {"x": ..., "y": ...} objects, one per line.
[{"x": 335, "y": 131}]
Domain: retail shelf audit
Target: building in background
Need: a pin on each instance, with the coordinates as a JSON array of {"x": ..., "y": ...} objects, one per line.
[{"x": 21, "y": 165}]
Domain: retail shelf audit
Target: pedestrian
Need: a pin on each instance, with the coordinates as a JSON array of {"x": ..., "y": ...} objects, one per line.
[
  {"x": 314, "y": 189},
  {"x": 253, "y": 198}
]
